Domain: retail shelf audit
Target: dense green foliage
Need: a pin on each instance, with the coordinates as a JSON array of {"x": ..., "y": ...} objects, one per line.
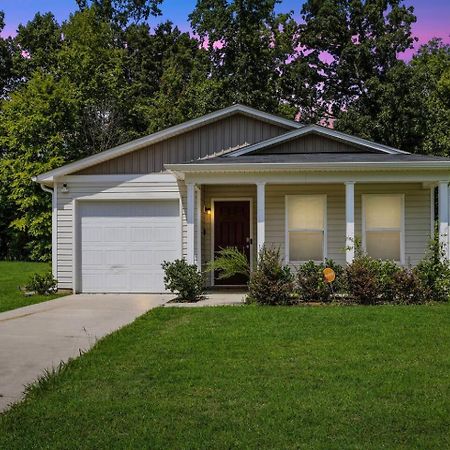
[
  {"x": 183, "y": 279},
  {"x": 358, "y": 41},
  {"x": 409, "y": 108},
  {"x": 246, "y": 378},
  {"x": 271, "y": 283},
  {"x": 310, "y": 283},
  {"x": 372, "y": 281},
  {"x": 42, "y": 284},
  {"x": 13, "y": 277},
  {"x": 229, "y": 262},
  {"x": 104, "y": 77},
  {"x": 365, "y": 281}
]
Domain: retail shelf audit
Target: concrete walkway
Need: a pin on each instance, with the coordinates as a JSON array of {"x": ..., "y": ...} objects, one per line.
[
  {"x": 39, "y": 337},
  {"x": 216, "y": 297}
]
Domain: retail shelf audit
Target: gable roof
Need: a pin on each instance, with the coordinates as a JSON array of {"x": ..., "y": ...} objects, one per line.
[
  {"x": 163, "y": 135},
  {"x": 322, "y": 131}
]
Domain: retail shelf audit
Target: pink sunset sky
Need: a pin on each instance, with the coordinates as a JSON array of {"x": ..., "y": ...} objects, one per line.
[{"x": 433, "y": 16}]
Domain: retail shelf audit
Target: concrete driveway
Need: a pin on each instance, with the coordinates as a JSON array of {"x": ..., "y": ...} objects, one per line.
[{"x": 40, "y": 336}]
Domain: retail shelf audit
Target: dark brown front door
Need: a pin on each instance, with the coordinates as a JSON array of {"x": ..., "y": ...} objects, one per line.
[{"x": 232, "y": 229}]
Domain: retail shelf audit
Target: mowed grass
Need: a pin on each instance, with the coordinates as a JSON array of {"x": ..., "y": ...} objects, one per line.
[
  {"x": 14, "y": 274},
  {"x": 251, "y": 377}
]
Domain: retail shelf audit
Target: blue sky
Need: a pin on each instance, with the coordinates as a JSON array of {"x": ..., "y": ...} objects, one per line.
[{"x": 433, "y": 15}]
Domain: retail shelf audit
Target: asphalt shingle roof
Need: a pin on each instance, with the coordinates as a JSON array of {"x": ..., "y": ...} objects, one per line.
[{"x": 321, "y": 158}]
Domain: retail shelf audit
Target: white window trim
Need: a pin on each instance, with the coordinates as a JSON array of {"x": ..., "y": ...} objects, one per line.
[
  {"x": 402, "y": 222},
  {"x": 287, "y": 230}
]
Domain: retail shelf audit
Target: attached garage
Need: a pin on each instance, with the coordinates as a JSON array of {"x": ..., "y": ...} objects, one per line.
[{"x": 122, "y": 244}]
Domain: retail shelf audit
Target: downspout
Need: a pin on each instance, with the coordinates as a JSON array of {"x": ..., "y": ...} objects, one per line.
[
  {"x": 46, "y": 189},
  {"x": 54, "y": 228}
]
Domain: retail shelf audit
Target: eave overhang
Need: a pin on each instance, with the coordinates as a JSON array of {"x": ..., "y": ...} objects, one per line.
[
  {"x": 181, "y": 170},
  {"x": 48, "y": 178}
]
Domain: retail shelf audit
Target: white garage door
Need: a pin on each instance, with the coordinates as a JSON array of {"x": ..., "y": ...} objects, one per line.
[{"x": 123, "y": 244}]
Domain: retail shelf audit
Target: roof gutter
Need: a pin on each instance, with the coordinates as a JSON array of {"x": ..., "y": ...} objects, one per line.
[{"x": 257, "y": 167}]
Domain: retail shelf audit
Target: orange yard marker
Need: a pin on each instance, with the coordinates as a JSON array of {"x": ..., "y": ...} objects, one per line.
[{"x": 329, "y": 275}]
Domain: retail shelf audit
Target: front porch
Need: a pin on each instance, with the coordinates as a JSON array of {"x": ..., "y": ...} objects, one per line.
[{"x": 382, "y": 215}]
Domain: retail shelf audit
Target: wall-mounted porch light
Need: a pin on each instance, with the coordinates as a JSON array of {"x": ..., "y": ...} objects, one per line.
[
  {"x": 207, "y": 210},
  {"x": 64, "y": 188}
]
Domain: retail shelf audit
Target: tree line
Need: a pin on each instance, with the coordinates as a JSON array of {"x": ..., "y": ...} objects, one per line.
[{"x": 104, "y": 76}]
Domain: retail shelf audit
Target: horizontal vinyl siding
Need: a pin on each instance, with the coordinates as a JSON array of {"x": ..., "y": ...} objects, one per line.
[
  {"x": 417, "y": 215},
  {"x": 108, "y": 190},
  {"x": 181, "y": 186},
  {"x": 276, "y": 213},
  {"x": 207, "y": 140}
]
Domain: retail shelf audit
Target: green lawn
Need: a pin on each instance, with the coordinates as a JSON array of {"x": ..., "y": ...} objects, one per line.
[
  {"x": 13, "y": 275},
  {"x": 251, "y": 377}
]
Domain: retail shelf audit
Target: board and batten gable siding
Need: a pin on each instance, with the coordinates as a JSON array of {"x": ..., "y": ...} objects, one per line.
[
  {"x": 104, "y": 190},
  {"x": 311, "y": 143},
  {"x": 222, "y": 135}
]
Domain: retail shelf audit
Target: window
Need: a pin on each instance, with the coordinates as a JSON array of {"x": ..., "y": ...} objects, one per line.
[
  {"x": 383, "y": 226},
  {"x": 305, "y": 227}
]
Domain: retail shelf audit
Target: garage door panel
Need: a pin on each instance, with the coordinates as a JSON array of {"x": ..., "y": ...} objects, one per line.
[
  {"x": 123, "y": 244},
  {"x": 92, "y": 234},
  {"x": 115, "y": 234},
  {"x": 150, "y": 234}
]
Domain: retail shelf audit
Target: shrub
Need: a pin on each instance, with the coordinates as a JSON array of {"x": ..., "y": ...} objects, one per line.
[
  {"x": 361, "y": 282},
  {"x": 370, "y": 281},
  {"x": 271, "y": 283},
  {"x": 183, "y": 279},
  {"x": 409, "y": 288},
  {"x": 42, "y": 284},
  {"x": 434, "y": 271},
  {"x": 230, "y": 262},
  {"x": 310, "y": 283}
]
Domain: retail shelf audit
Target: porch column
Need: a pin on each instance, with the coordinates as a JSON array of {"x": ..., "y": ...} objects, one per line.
[
  {"x": 443, "y": 215},
  {"x": 261, "y": 214},
  {"x": 349, "y": 221},
  {"x": 190, "y": 213},
  {"x": 199, "y": 228}
]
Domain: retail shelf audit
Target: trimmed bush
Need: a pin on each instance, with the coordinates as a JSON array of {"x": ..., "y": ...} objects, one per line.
[
  {"x": 310, "y": 283},
  {"x": 42, "y": 284},
  {"x": 370, "y": 281},
  {"x": 184, "y": 280},
  {"x": 408, "y": 288},
  {"x": 271, "y": 283}
]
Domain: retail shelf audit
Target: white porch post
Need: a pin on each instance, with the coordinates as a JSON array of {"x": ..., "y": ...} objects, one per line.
[
  {"x": 443, "y": 215},
  {"x": 349, "y": 221},
  {"x": 199, "y": 228},
  {"x": 190, "y": 213},
  {"x": 261, "y": 214}
]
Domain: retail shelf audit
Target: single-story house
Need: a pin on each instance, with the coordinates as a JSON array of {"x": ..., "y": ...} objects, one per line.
[{"x": 238, "y": 177}]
